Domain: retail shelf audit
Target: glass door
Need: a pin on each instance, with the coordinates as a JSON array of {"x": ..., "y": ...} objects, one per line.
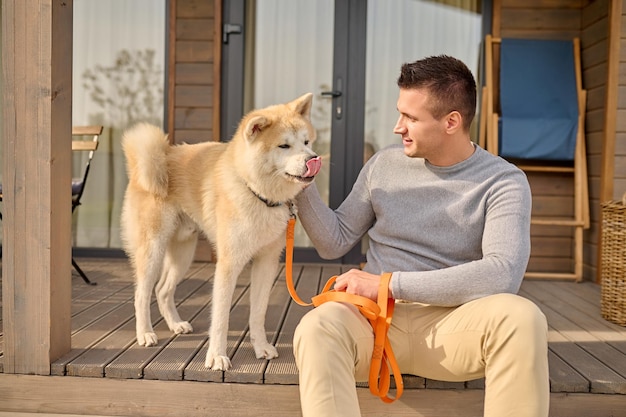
[
  {"x": 290, "y": 54},
  {"x": 348, "y": 53},
  {"x": 297, "y": 46}
]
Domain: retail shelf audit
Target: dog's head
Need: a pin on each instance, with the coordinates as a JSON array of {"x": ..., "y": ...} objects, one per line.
[{"x": 278, "y": 141}]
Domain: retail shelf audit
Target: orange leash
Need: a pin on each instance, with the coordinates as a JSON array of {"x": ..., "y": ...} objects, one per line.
[{"x": 379, "y": 315}]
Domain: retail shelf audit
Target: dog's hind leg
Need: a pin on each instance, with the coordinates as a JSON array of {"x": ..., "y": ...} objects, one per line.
[
  {"x": 178, "y": 257},
  {"x": 148, "y": 266},
  {"x": 264, "y": 271}
]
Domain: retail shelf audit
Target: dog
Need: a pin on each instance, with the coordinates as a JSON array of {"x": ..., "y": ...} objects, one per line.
[{"x": 239, "y": 194}]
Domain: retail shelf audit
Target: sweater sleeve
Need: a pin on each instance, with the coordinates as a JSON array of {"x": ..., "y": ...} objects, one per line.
[{"x": 335, "y": 232}]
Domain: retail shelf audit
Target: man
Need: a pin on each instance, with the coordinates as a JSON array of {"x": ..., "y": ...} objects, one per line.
[{"x": 452, "y": 223}]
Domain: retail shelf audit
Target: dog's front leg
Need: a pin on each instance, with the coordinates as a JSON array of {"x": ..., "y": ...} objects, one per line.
[
  {"x": 264, "y": 270},
  {"x": 223, "y": 288}
]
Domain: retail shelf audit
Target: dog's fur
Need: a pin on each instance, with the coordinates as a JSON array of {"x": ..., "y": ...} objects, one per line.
[{"x": 238, "y": 194}]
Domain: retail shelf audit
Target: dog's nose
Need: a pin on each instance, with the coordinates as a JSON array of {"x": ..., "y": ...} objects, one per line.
[{"x": 313, "y": 166}]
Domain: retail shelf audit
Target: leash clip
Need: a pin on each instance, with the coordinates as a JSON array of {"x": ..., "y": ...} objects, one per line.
[{"x": 293, "y": 209}]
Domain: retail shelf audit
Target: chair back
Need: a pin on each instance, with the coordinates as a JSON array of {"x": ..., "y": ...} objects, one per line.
[
  {"x": 84, "y": 145},
  {"x": 538, "y": 100}
]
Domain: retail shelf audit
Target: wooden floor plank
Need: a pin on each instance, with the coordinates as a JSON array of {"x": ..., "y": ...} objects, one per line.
[
  {"x": 103, "y": 303},
  {"x": 247, "y": 368},
  {"x": 602, "y": 378},
  {"x": 100, "y": 354},
  {"x": 583, "y": 312},
  {"x": 132, "y": 362},
  {"x": 171, "y": 363},
  {"x": 237, "y": 331},
  {"x": 564, "y": 378},
  {"x": 283, "y": 370},
  {"x": 99, "y": 327}
]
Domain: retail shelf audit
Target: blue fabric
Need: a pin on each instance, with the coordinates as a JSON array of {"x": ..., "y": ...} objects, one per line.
[{"x": 538, "y": 100}]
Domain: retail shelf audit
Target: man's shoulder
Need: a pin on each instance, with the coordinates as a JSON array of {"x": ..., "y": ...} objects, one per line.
[{"x": 499, "y": 162}]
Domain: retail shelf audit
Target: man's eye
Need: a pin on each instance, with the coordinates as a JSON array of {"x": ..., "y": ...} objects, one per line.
[{"x": 284, "y": 146}]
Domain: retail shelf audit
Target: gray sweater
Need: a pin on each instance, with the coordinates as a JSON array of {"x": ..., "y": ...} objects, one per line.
[{"x": 448, "y": 234}]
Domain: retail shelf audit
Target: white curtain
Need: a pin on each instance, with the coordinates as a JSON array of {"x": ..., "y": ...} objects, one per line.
[{"x": 118, "y": 79}]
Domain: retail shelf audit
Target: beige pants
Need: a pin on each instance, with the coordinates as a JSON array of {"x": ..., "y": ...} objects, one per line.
[{"x": 501, "y": 337}]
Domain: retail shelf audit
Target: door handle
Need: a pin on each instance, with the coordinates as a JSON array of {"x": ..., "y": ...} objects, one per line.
[
  {"x": 229, "y": 29},
  {"x": 337, "y": 95},
  {"x": 333, "y": 93}
]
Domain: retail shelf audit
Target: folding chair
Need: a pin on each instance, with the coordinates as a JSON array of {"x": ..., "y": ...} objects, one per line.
[
  {"x": 78, "y": 184},
  {"x": 533, "y": 115}
]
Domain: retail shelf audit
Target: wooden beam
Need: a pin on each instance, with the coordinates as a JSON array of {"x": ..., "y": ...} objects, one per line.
[
  {"x": 116, "y": 397},
  {"x": 36, "y": 274},
  {"x": 607, "y": 169},
  {"x": 171, "y": 72},
  {"x": 496, "y": 18},
  {"x": 217, "y": 70}
]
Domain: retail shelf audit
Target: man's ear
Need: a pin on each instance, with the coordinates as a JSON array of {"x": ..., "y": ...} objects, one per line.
[
  {"x": 255, "y": 126},
  {"x": 454, "y": 121}
]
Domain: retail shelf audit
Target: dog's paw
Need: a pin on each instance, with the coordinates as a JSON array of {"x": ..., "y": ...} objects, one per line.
[
  {"x": 217, "y": 362},
  {"x": 181, "y": 327},
  {"x": 147, "y": 339},
  {"x": 265, "y": 351}
]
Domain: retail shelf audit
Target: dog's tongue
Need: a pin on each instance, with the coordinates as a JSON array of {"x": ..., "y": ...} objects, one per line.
[{"x": 313, "y": 166}]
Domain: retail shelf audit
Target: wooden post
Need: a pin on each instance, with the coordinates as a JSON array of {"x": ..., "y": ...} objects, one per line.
[
  {"x": 36, "y": 274},
  {"x": 607, "y": 166}
]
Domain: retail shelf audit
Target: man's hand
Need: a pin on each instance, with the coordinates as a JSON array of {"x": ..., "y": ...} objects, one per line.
[{"x": 359, "y": 282}]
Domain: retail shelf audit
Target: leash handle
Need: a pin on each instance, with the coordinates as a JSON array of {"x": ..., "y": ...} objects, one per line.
[
  {"x": 383, "y": 359},
  {"x": 379, "y": 315}
]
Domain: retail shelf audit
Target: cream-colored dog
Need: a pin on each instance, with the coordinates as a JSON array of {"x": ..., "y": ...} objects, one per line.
[{"x": 239, "y": 194}]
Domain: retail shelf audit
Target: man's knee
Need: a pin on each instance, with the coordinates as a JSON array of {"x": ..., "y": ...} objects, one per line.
[
  {"x": 521, "y": 316},
  {"x": 329, "y": 327}
]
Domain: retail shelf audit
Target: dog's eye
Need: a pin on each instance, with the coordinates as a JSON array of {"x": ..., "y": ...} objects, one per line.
[
  {"x": 284, "y": 146},
  {"x": 306, "y": 142}
]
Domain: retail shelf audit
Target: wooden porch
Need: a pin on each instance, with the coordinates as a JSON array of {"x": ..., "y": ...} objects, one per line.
[{"x": 106, "y": 373}]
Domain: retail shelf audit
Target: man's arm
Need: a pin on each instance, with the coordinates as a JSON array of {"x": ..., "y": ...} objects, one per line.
[{"x": 335, "y": 232}]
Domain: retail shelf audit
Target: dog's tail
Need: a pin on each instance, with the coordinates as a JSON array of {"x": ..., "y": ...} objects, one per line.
[{"x": 145, "y": 147}]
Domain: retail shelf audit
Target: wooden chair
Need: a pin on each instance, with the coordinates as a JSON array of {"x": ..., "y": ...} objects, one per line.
[
  {"x": 533, "y": 115},
  {"x": 79, "y": 184}
]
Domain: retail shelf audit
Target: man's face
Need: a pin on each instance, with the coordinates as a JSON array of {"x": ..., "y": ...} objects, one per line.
[{"x": 421, "y": 133}]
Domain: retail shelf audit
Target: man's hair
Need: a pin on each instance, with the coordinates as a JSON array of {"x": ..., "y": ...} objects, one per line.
[{"x": 449, "y": 82}]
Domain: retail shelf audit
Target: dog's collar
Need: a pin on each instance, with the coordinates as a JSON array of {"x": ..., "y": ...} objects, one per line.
[{"x": 267, "y": 202}]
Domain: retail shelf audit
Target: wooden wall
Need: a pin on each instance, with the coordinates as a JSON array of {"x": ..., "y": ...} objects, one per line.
[
  {"x": 194, "y": 78},
  {"x": 564, "y": 19},
  {"x": 194, "y": 67}
]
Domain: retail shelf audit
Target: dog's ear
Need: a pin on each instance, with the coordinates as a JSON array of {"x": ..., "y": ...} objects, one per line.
[
  {"x": 256, "y": 125},
  {"x": 303, "y": 104}
]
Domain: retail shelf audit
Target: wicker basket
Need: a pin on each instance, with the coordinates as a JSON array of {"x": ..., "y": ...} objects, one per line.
[{"x": 613, "y": 293}]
